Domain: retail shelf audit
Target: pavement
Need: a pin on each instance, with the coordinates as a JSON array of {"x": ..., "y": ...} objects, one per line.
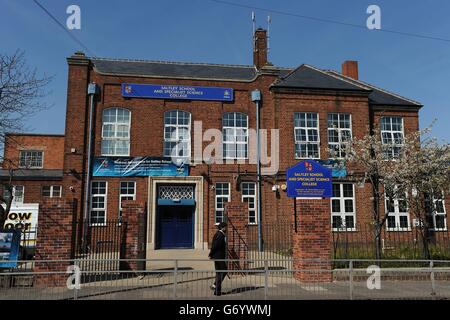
[{"x": 195, "y": 285}]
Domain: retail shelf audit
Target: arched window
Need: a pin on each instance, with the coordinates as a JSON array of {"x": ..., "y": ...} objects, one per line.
[
  {"x": 116, "y": 132},
  {"x": 235, "y": 135},
  {"x": 177, "y": 134}
]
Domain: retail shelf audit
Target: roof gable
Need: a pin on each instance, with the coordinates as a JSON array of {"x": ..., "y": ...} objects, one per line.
[{"x": 308, "y": 77}]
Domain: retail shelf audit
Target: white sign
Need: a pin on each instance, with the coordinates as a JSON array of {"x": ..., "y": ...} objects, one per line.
[{"x": 25, "y": 217}]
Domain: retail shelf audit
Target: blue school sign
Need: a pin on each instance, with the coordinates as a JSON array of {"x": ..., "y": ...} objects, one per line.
[
  {"x": 130, "y": 90},
  {"x": 309, "y": 179}
]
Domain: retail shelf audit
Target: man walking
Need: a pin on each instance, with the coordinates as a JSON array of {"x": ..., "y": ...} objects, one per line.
[{"x": 219, "y": 251}]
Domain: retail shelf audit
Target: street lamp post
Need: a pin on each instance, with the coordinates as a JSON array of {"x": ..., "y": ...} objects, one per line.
[{"x": 256, "y": 98}]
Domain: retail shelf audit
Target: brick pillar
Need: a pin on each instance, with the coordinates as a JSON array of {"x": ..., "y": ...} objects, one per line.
[
  {"x": 312, "y": 241},
  {"x": 237, "y": 218},
  {"x": 55, "y": 241},
  {"x": 134, "y": 235}
]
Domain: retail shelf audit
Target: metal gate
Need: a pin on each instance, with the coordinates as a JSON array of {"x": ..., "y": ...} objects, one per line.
[{"x": 98, "y": 247}]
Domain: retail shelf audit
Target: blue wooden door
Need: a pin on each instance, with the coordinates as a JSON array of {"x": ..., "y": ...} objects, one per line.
[{"x": 176, "y": 227}]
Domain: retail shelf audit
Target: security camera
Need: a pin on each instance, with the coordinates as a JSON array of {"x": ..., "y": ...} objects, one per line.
[{"x": 72, "y": 188}]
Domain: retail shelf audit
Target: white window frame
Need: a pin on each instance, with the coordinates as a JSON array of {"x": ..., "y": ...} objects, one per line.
[
  {"x": 177, "y": 126},
  {"x": 435, "y": 213},
  {"x": 122, "y": 196},
  {"x": 250, "y": 196},
  {"x": 307, "y": 142},
  {"x": 342, "y": 214},
  {"x": 235, "y": 130},
  {"x": 105, "y": 208},
  {"x": 52, "y": 191},
  {"x": 29, "y": 158},
  {"x": 397, "y": 214},
  {"x": 339, "y": 131},
  {"x": 116, "y": 138},
  {"x": 391, "y": 133},
  {"x": 216, "y": 196},
  {"x": 15, "y": 202}
]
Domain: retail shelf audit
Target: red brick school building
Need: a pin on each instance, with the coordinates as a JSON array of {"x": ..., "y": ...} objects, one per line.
[{"x": 137, "y": 117}]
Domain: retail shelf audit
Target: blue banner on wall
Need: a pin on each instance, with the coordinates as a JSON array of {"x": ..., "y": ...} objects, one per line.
[
  {"x": 138, "y": 167},
  {"x": 309, "y": 179},
  {"x": 9, "y": 248},
  {"x": 338, "y": 169},
  {"x": 156, "y": 91}
]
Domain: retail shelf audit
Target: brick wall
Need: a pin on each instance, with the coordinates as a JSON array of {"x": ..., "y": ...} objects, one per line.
[
  {"x": 55, "y": 241},
  {"x": 311, "y": 242},
  {"x": 237, "y": 234},
  {"x": 51, "y": 145},
  {"x": 33, "y": 189},
  {"x": 134, "y": 235}
]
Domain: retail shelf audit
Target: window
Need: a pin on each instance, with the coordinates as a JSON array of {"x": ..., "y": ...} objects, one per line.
[
  {"x": 249, "y": 196},
  {"x": 235, "y": 135},
  {"x": 177, "y": 134},
  {"x": 52, "y": 191},
  {"x": 222, "y": 196},
  {"x": 18, "y": 194},
  {"x": 436, "y": 212},
  {"x": 392, "y": 136},
  {"x": 116, "y": 132},
  {"x": 98, "y": 202},
  {"x": 31, "y": 159},
  {"x": 306, "y": 135},
  {"x": 343, "y": 216},
  {"x": 339, "y": 132},
  {"x": 127, "y": 192},
  {"x": 397, "y": 209}
]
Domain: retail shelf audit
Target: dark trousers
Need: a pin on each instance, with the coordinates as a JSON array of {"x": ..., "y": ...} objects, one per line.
[{"x": 220, "y": 265}]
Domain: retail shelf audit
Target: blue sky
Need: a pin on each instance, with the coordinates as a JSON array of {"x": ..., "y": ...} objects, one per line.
[{"x": 206, "y": 31}]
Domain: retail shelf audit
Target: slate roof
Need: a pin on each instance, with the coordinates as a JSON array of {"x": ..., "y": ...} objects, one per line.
[
  {"x": 380, "y": 96},
  {"x": 308, "y": 77},
  {"x": 32, "y": 174},
  {"x": 302, "y": 77},
  {"x": 175, "y": 69}
]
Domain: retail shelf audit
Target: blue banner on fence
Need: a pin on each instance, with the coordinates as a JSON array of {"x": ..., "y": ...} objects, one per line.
[
  {"x": 156, "y": 91},
  {"x": 9, "y": 248},
  {"x": 309, "y": 179},
  {"x": 138, "y": 167}
]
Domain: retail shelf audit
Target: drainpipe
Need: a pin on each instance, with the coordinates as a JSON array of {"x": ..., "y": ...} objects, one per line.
[
  {"x": 256, "y": 98},
  {"x": 92, "y": 92}
]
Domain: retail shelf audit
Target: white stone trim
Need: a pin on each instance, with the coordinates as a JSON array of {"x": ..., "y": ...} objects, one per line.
[{"x": 152, "y": 203}]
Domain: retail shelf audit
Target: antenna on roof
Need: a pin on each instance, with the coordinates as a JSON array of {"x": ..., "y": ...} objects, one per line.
[
  {"x": 269, "y": 21},
  {"x": 254, "y": 27}
]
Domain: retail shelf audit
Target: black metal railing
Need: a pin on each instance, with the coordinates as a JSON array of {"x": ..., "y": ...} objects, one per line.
[
  {"x": 394, "y": 243},
  {"x": 276, "y": 240}
]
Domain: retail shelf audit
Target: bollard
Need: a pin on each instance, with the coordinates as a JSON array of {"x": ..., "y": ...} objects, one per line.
[
  {"x": 175, "y": 274},
  {"x": 351, "y": 278},
  {"x": 433, "y": 283},
  {"x": 266, "y": 279}
]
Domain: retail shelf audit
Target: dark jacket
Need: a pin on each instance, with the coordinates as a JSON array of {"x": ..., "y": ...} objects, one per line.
[{"x": 219, "y": 246}]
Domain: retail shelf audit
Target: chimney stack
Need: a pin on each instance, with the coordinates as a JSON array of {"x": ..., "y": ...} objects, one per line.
[
  {"x": 350, "y": 69},
  {"x": 260, "y": 48}
]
